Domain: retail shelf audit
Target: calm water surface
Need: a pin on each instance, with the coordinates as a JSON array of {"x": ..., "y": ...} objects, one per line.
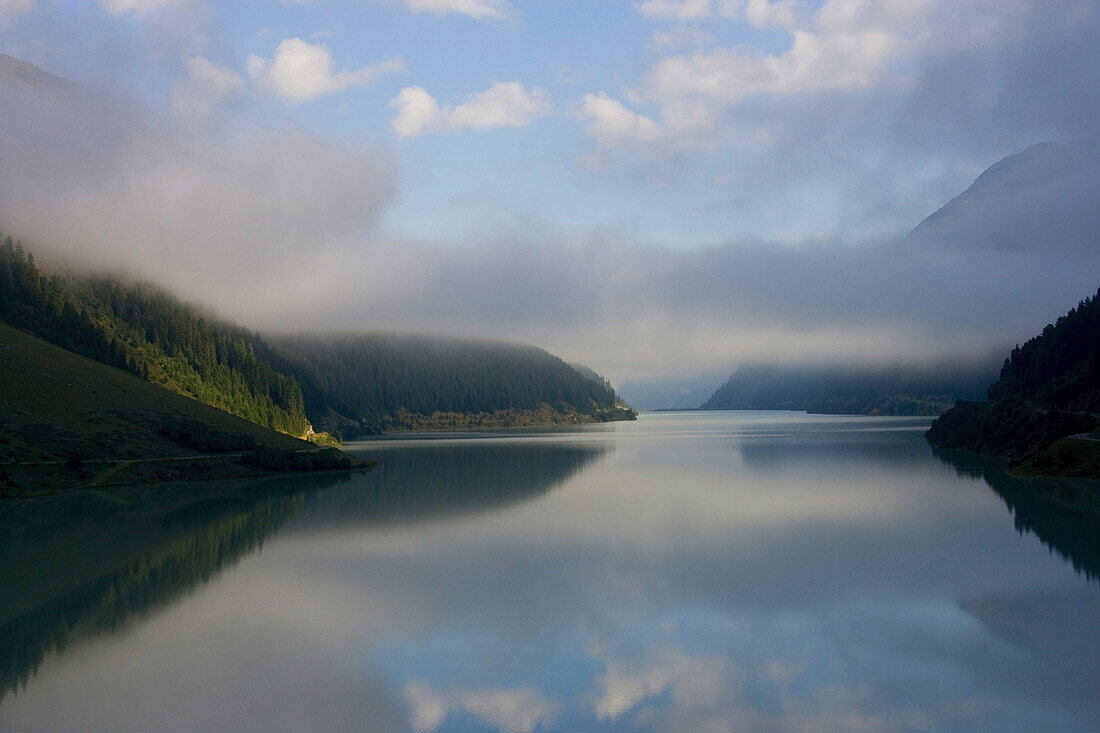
[{"x": 688, "y": 572}]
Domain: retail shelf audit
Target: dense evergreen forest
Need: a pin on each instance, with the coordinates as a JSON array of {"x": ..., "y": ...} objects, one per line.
[
  {"x": 358, "y": 385},
  {"x": 152, "y": 334},
  {"x": 1048, "y": 388},
  {"x": 862, "y": 391},
  {"x": 364, "y": 384}
]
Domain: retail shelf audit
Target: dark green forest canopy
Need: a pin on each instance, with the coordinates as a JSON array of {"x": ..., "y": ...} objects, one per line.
[
  {"x": 360, "y": 381},
  {"x": 1048, "y": 389},
  {"x": 151, "y": 333},
  {"x": 1060, "y": 368},
  {"x": 361, "y": 384}
]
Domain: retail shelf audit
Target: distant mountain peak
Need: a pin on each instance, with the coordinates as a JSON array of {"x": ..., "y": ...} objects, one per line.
[
  {"x": 25, "y": 76},
  {"x": 1047, "y": 196}
]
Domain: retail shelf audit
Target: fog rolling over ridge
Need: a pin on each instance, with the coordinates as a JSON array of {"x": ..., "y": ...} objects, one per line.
[
  {"x": 270, "y": 220},
  {"x": 999, "y": 210},
  {"x": 681, "y": 392},
  {"x": 893, "y": 389},
  {"x": 283, "y": 233}
]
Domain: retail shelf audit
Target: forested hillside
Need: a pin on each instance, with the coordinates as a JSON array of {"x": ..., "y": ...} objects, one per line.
[
  {"x": 358, "y": 385},
  {"x": 365, "y": 384},
  {"x": 1060, "y": 368},
  {"x": 152, "y": 334},
  {"x": 1048, "y": 388},
  {"x": 868, "y": 391},
  {"x": 73, "y": 422}
]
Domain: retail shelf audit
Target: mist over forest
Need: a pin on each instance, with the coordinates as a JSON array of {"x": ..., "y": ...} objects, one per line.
[{"x": 224, "y": 195}]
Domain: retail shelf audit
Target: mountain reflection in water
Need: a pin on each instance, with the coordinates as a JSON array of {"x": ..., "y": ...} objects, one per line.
[
  {"x": 1063, "y": 513},
  {"x": 82, "y": 564},
  {"x": 691, "y": 571},
  {"x": 85, "y": 564}
]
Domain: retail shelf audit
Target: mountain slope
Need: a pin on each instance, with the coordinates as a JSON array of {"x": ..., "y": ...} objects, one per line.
[
  {"x": 151, "y": 334},
  {"x": 1048, "y": 389},
  {"x": 369, "y": 383},
  {"x": 1047, "y": 196},
  {"x": 359, "y": 384},
  {"x": 65, "y": 412},
  {"x": 683, "y": 392},
  {"x": 1044, "y": 201},
  {"x": 20, "y": 75},
  {"x": 893, "y": 390}
]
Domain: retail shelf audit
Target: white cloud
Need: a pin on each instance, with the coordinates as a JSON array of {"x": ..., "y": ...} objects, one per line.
[
  {"x": 172, "y": 29},
  {"x": 417, "y": 112},
  {"x": 676, "y": 9},
  {"x": 504, "y": 104},
  {"x": 205, "y": 86},
  {"x": 623, "y": 688},
  {"x": 478, "y": 9},
  {"x": 680, "y": 37},
  {"x": 210, "y": 223},
  {"x": 759, "y": 13},
  {"x": 511, "y": 710},
  {"x": 815, "y": 62},
  {"x": 631, "y": 308},
  {"x": 429, "y": 708},
  {"x": 612, "y": 123},
  {"x": 842, "y": 48},
  {"x": 516, "y": 710},
  {"x": 697, "y": 682},
  {"x": 12, "y": 9},
  {"x": 138, "y": 7},
  {"x": 301, "y": 71},
  {"x": 785, "y": 14}
]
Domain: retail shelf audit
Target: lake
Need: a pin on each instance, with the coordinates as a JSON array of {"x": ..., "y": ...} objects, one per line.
[{"x": 686, "y": 572}]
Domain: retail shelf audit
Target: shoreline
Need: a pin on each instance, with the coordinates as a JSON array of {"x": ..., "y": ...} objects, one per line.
[
  {"x": 29, "y": 480},
  {"x": 408, "y": 422}
]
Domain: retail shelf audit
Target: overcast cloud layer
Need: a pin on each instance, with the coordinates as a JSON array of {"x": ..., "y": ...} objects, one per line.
[{"x": 815, "y": 135}]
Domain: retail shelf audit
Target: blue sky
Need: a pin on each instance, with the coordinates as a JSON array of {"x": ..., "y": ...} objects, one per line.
[
  {"x": 545, "y": 168},
  {"x": 466, "y": 180},
  {"x": 444, "y": 162}
]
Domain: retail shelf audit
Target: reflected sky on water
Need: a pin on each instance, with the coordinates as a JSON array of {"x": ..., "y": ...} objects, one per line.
[{"x": 691, "y": 571}]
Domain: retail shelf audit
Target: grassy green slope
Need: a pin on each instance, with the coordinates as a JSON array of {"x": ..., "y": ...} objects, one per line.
[
  {"x": 58, "y": 406},
  {"x": 152, "y": 334}
]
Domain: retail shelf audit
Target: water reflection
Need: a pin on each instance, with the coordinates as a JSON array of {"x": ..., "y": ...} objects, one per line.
[
  {"x": 1063, "y": 513},
  {"x": 441, "y": 478},
  {"x": 814, "y": 444},
  {"x": 688, "y": 572},
  {"x": 80, "y": 565},
  {"x": 1058, "y": 627}
]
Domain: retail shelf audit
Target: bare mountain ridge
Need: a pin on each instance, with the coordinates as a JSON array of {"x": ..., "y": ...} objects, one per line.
[
  {"x": 20, "y": 74},
  {"x": 1045, "y": 198}
]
